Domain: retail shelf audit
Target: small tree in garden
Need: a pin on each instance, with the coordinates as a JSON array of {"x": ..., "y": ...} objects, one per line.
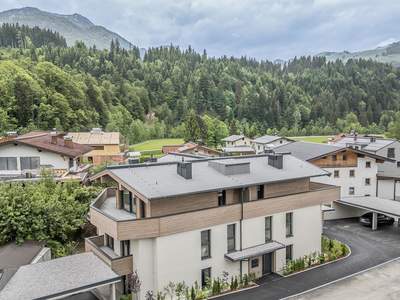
[
  {"x": 170, "y": 289},
  {"x": 192, "y": 294},
  {"x": 180, "y": 289},
  {"x": 225, "y": 280},
  {"x": 160, "y": 295},
  {"x": 150, "y": 295},
  {"x": 133, "y": 283}
]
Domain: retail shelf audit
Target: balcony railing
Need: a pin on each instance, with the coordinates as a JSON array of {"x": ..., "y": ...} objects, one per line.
[{"x": 122, "y": 265}]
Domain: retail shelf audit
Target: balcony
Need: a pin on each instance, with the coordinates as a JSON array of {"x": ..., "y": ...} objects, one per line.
[
  {"x": 122, "y": 265},
  {"x": 129, "y": 229}
]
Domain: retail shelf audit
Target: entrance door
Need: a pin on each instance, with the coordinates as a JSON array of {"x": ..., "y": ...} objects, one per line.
[{"x": 267, "y": 264}]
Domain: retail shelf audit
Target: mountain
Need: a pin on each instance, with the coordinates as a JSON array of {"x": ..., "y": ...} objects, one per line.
[
  {"x": 73, "y": 27},
  {"x": 387, "y": 54}
]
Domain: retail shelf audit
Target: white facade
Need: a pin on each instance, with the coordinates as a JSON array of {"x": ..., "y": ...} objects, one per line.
[
  {"x": 177, "y": 258},
  {"x": 358, "y": 182},
  {"x": 47, "y": 158}
]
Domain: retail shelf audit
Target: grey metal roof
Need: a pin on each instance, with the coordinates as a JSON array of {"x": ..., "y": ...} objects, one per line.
[
  {"x": 307, "y": 150},
  {"x": 161, "y": 180},
  {"x": 254, "y": 251},
  {"x": 380, "y": 205},
  {"x": 238, "y": 149},
  {"x": 266, "y": 139},
  {"x": 364, "y": 142},
  {"x": 233, "y": 138},
  {"x": 58, "y": 277},
  {"x": 12, "y": 256}
]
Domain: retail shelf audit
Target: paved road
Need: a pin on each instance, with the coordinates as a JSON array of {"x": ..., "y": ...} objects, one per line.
[{"x": 368, "y": 249}]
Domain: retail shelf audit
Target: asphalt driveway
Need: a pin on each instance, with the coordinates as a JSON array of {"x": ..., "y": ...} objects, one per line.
[{"x": 369, "y": 248}]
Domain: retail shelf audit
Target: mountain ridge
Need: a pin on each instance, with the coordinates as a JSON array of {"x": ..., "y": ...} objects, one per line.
[{"x": 75, "y": 27}]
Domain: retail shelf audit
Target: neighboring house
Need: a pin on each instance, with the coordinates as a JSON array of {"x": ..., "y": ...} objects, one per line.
[
  {"x": 25, "y": 155},
  {"x": 192, "y": 148},
  {"x": 13, "y": 256},
  {"x": 191, "y": 220},
  {"x": 236, "y": 141},
  {"x": 388, "y": 172},
  {"x": 238, "y": 150},
  {"x": 107, "y": 146},
  {"x": 354, "y": 170},
  {"x": 268, "y": 142}
]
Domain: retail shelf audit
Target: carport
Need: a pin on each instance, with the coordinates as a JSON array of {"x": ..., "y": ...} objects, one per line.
[
  {"x": 375, "y": 205},
  {"x": 60, "y": 278}
]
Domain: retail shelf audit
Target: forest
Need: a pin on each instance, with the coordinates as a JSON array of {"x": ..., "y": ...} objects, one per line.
[{"x": 173, "y": 92}]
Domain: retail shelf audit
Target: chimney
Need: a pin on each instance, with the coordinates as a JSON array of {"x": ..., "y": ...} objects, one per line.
[
  {"x": 68, "y": 141},
  {"x": 185, "y": 169},
  {"x": 53, "y": 135},
  {"x": 372, "y": 139},
  {"x": 276, "y": 161}
]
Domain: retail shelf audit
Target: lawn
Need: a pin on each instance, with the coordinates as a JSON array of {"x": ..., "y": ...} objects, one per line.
[
  {"x": 155, "y": 145},
  {"x": 314, "y": 139}
]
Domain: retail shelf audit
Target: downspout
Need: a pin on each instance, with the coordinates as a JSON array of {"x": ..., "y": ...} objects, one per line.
[
  {"x": 394, "y": 189},
  {"x": 241, "y": 228}
]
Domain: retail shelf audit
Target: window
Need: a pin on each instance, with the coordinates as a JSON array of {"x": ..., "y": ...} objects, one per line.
[
  {"x": 289, "y": 252},
  {"x": 352, "y": 173},
  {"x": 231, "y": 237},
  {"x": 205, "y": 275},
  {"x": 368, "y": 164},
  {"x": 30, "y": 163},
  {"x": 254, "y": 263},
  {"x": 268, "y": 229},
  {"x": 125, "y": 248},
  {"x": 8, "y": 163},
  {"x": 351, "y": 190},
  {"x": 260, "y": 191},
  {"x": 289, "y": 224},
  {"x": 205, "y": 244},
  {"x": 127, "y": 201},
  {"x": 142, "y": 209},
  {"x": 344, "y": 157},
  {"x": 398, "y": 164},
  {"x": 334, "y": 158},
  {"x": 98, "y": 147},
  {"x": 390, "y": 153},
  {"x": 109, "y": 241},
  {"x": 336, "y": 173},
  {"x": 221, "y": 198},
  {"x": 367, "y": 181}
]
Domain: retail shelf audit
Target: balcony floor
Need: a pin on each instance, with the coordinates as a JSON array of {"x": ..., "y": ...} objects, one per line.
[{"x": 109, "y": 208}]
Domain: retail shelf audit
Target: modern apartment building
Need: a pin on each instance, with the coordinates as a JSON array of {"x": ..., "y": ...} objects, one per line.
[{"x": 194, "y": 219}]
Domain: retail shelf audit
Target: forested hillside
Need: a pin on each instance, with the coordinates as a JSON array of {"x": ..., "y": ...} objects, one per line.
[{"x": 164, "y": 94}]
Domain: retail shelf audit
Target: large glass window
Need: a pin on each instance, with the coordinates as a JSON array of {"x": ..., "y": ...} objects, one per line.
[
  {"x": 109, "y": 241},
  {"x": 221, "y": 198},
  {"x": 205, "y": 244},
  {"x": 205, "y": 276},
  {"x": 127, "y": 201},
  {"x": 268, "y": 229},
  {"x": 30, "y": 163},
  {"x": 289, "y": 224},
  {"x": 390, "y": 153},
  {"x": 8, "y": 163},
  {"x": 125, "y": 248},
  {"x": 260, "y": 191},
  {"x": 231, "y": 237}
]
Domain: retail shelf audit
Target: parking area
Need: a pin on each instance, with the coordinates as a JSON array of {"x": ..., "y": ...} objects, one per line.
[{"x": 369, "y": 248}]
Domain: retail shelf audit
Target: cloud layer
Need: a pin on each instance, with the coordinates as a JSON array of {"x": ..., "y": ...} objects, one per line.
[{"x": 262, "y": 29}]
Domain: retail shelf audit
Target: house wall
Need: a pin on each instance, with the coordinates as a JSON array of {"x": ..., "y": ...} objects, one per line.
[
  {"x": 343, "y": 212},
  {"x": 177, "y": 257},
  {"x": 46, "y": 158},
  {"x": 389, "y": 189}
]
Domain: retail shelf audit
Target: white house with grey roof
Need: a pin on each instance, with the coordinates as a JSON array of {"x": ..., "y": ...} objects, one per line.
[
  {"x": 388, "y": 173},
  {"x": 197, "y": 218},
  {"x": 268, "y": 142},
  {"x": 236, "y": 140}
]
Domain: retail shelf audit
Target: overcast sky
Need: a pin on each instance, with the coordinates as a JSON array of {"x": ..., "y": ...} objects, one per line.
[{"x": 263, "y": 29}]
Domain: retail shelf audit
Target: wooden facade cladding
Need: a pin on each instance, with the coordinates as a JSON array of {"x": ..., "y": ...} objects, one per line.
[
  {"x": 290, "y": 187},
  {"x": 342, "y": 159},
  {"x": 197, "y": 219},
  {"x": 120, "y": 265}
]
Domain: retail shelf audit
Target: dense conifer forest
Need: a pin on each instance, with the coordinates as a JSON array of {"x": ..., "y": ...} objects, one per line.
[{"x": 182, "y": 93}]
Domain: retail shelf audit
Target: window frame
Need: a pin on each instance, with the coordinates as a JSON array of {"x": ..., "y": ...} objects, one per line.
[
  {"x": 254, "y": 263},
  {"x": 222, "y": 198},
  {"x": 367, "y": 181},
  {"x": 205, "y": 273},
  {"x": 205, "y": 244},
  {"x": 368, "y": 164},
  {"x": 289, "y": 252},
  {"x": 269, "y": 227},
  {"x": 29, "y": 160},
  {"x": 391, "y": 152},
  {"x": 352, "y": 173},
  {"x": 8, "y": 163},
  {"x": 125, "y": 245},
  {"x": 289, "y": 224},
  {"x": 352, "y": 190},
  {"x": 109, "y": 241},
  {"x": 260, "y": 192},
  {"x": 231, "y": 247},
  {"x": 336, "y": 174}
]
